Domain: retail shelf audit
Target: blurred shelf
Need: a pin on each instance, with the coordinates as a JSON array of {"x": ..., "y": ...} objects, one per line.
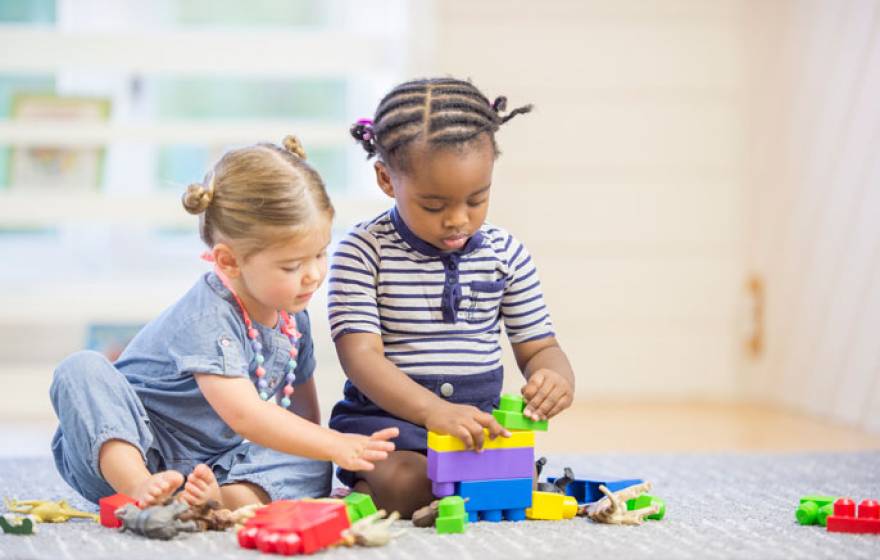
[
  {"x": 194, "y": 53},
  {"x": 47, "y": 208},
  {"x": 213, "y": 133}
]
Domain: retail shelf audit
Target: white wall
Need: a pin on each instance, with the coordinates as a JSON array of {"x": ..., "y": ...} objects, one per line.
[
  {"x": 814, "y": 232},
  {"x": 627, "y": 181}
]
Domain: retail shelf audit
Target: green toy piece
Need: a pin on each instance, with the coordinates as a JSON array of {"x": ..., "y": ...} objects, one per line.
[
  {"x": 510, "y": 415},
  {"x": 48, "y": 512},
  {"x": 814, "y": 510},
  {"x": 451, "y": 517},
  {"x": 644, "y": 501},
  {"x": 17, "y": 525},
  {"x": 359, "y": 506}
]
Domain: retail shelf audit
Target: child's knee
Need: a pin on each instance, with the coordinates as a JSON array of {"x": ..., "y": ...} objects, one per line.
[{"x": 79, "y": 371}]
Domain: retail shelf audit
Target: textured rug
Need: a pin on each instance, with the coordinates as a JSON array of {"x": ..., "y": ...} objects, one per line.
[{"x": 718, "y": 506}]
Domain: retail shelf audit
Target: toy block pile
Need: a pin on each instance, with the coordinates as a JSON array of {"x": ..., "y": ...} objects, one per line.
[
  {"x": 496, "y": 482},
  {"x": 839, "y": 515}
]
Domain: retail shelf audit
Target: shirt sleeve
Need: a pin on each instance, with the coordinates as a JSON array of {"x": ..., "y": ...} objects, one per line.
[
  {"x": 351, "y": 297},
  {"x": 525, "y": 315}
]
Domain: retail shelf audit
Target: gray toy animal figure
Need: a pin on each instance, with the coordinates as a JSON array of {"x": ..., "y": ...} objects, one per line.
[{"x": 156, "y": 522}]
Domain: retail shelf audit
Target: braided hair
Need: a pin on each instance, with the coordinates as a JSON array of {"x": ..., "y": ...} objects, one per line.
[{"x": 444, "y": 112}]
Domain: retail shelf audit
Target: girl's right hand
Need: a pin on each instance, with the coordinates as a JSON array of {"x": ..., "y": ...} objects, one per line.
[
  {"x": 465, "y": 422},
  {"x": 355, "y": 452}
]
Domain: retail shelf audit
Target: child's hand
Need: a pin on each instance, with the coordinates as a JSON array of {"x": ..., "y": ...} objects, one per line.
[
  {"x": 464, "y": 422},
  {"x": 547, "y": 394},
  {"x": 355, "y": 452}
]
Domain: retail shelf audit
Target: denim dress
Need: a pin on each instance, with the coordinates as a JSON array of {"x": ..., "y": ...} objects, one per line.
[{"x": 150, "y": 399}]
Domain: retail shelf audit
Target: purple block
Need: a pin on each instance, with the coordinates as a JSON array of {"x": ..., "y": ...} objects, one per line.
[
  {"x": 489, "y": 464},
  {"x": 443, "y": 489}
]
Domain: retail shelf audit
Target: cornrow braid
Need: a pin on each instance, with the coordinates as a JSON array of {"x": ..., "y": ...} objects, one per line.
[{"x": 440, "y": 111}]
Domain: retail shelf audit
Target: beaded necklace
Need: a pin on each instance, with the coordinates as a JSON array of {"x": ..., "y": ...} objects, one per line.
[{"x": 288, "y": 328}]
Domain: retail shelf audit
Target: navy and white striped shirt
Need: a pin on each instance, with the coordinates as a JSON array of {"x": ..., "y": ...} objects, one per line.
[{"x": 437, "y": 312}]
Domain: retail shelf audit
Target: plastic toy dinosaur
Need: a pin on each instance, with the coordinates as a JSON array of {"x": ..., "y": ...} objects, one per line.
[
  {"x": 371, "y": 530},
  {"x": 45, "y": 511},
  {"x": 209, "y": 517},
  {"x": 612, "y": 508},
  {"x": 156, "y": 522},
  {"x": 17, "y": 524}
]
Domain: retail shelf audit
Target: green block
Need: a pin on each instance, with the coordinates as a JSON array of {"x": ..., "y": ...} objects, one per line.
[
  {"x": 646, "y": 500},
  {"x": 512, "y": 403},
  {"x": 449, "y": 525},
  {"x": 451, "y": 516},
  {"x": 359, "y": 506},
  {"x": 516, "y": 421},
  {"x": 450, "y": 506},
  {"x": 814, "y": 509}
]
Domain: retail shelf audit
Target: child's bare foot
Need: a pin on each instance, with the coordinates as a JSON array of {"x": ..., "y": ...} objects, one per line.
[
  {"x": 157, "y": 488},
  {"x": 201, "y": 486}
]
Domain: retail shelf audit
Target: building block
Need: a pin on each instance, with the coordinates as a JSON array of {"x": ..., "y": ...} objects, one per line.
[
  {"x": 494, "y": 500},
  {"x": 814, "y": 510},
  {"x": 451, "y": 515},
  {"x": 845, "y": 520},
  {"x": 510, "y": 415},
  {"x": 17, "y": 524},
  {"x": 295, "y": 526},
  {"x": 646, "y": 500},
  {"x": 440, "y": 442},
  {"x": 493, "y": 464},
  {"x": 359, "y": 506},
  {"x": 551, "y": 506},
  {"x": 586, "y": 490},
  {"x": 443, "y": 489},
  {"x": 108, "y": 506}
]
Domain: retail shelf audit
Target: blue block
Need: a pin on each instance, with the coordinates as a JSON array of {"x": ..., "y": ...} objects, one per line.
[
  {"x": 483, "y": 495},
  {"x": 587, "y": 490},
  {"x": 515, "y": 514}
]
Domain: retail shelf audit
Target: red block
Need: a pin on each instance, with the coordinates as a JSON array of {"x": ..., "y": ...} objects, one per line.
[
  {"x": 845, "y": 520},
  {"x": 295, "y": 526},
  {"x": 109, "y": 505}
]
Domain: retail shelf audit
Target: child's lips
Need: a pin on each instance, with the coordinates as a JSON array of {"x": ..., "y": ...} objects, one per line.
[
  {"x": 454, "y": 242},
  {"x": 306, "y": 296}
]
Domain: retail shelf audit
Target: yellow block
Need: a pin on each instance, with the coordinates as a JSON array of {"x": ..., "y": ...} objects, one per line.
[
  {"x": 439, "y": 442},
  {"x": 551, "y": 506}
]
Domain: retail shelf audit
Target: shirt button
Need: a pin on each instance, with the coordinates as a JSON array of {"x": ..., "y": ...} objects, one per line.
[
  {"x": 450, "y": 281},
  {"x": 447, "y": 390},
  {"x": 225, "y": 342},
  {"x": 451, "y": 265}
]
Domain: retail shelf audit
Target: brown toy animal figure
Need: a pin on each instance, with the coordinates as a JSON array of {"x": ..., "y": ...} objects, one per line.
[
  {"x": 371, "y": 530},
  {"x": 209, "y": 517},
  {"x": 44, "y": 511},
  {"x": 426, "y": 516},
  {"x": 612, "y": 508},
  {"x": 156, "y": 522}
]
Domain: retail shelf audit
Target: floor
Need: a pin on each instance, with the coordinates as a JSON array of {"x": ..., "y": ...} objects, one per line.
[{"x": 618, "y": 427}]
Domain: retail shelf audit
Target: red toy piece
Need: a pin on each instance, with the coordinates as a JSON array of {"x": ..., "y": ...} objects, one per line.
[
  {"x": 845, "y": 520},
  {"x": 295, "y": 527},
  {"x": 109, "y": 505}
]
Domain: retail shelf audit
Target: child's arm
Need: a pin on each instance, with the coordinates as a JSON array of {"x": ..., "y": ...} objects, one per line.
[
  {"x": 265, "y": 423},
  {"x": 363, "y": 359},
  {"x": 304, "y": 401},
  {"x": 550, "y": 380}
]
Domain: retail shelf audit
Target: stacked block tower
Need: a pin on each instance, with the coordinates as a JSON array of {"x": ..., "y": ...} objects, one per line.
[{"x": 497, "y": 481}]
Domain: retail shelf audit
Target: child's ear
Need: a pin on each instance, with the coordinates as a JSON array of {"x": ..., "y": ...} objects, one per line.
[
  {"x": 383, "y": 178},
  {"x": 226, "y": 260}
]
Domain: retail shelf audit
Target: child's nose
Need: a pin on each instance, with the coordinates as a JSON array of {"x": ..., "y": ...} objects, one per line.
[{"x": 456, "y": 219}]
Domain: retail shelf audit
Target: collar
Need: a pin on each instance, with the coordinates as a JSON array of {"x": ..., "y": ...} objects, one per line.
[{"x": 422, "y": 246}]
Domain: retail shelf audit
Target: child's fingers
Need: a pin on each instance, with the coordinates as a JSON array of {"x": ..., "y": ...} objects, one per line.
[
  {"x": 360, "y": 465},
  {"x": 534, "y": 404},
  {"x": 462, "y": 433},
  {"x": 476, "y": 430},
  {"x": 373, "y": 455},
  {"x": 531, "y": 387},
  {"x": 488, "y": 421},
  {"x": 379, "y": 445},
  {"x": 560, "y": 405},
  {"x": 550, "y": 402},
  {"x": 386, "y": 433}
]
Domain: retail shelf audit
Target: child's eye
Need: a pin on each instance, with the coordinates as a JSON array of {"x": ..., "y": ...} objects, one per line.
[
  {"x": 427, "y": 209},
  {"x": 290, "y": 268},
  {"x": 476, "y": 203}
]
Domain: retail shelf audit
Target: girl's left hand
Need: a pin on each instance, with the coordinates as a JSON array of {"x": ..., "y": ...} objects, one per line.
[{"x": 547, "y": 393}]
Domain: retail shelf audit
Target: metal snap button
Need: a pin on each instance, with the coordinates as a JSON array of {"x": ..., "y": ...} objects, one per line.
[{"x": 447, "y": 389}]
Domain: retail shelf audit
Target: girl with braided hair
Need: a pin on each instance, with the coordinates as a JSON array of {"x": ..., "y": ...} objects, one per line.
[
  {"x": 417, "y": 295},
  {"x": 217, "y": 394}
]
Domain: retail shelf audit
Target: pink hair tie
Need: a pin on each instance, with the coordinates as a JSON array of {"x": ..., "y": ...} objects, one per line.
[
  {"x": 368, "y": 128},
  {"x": 207, "y": 256}
]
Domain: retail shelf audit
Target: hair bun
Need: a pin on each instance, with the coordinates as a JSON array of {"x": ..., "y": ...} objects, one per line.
[
  {"x": 294, "y": 146},
  {"x": 197, "y": 198},
  {"x": 500, "y": 104}
]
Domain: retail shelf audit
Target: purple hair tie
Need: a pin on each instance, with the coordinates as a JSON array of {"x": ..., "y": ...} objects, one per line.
[{"x": 368, "y": 128}]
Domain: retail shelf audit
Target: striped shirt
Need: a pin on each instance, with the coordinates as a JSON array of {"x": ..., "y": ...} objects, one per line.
[{"x": 437, "y": 312}]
